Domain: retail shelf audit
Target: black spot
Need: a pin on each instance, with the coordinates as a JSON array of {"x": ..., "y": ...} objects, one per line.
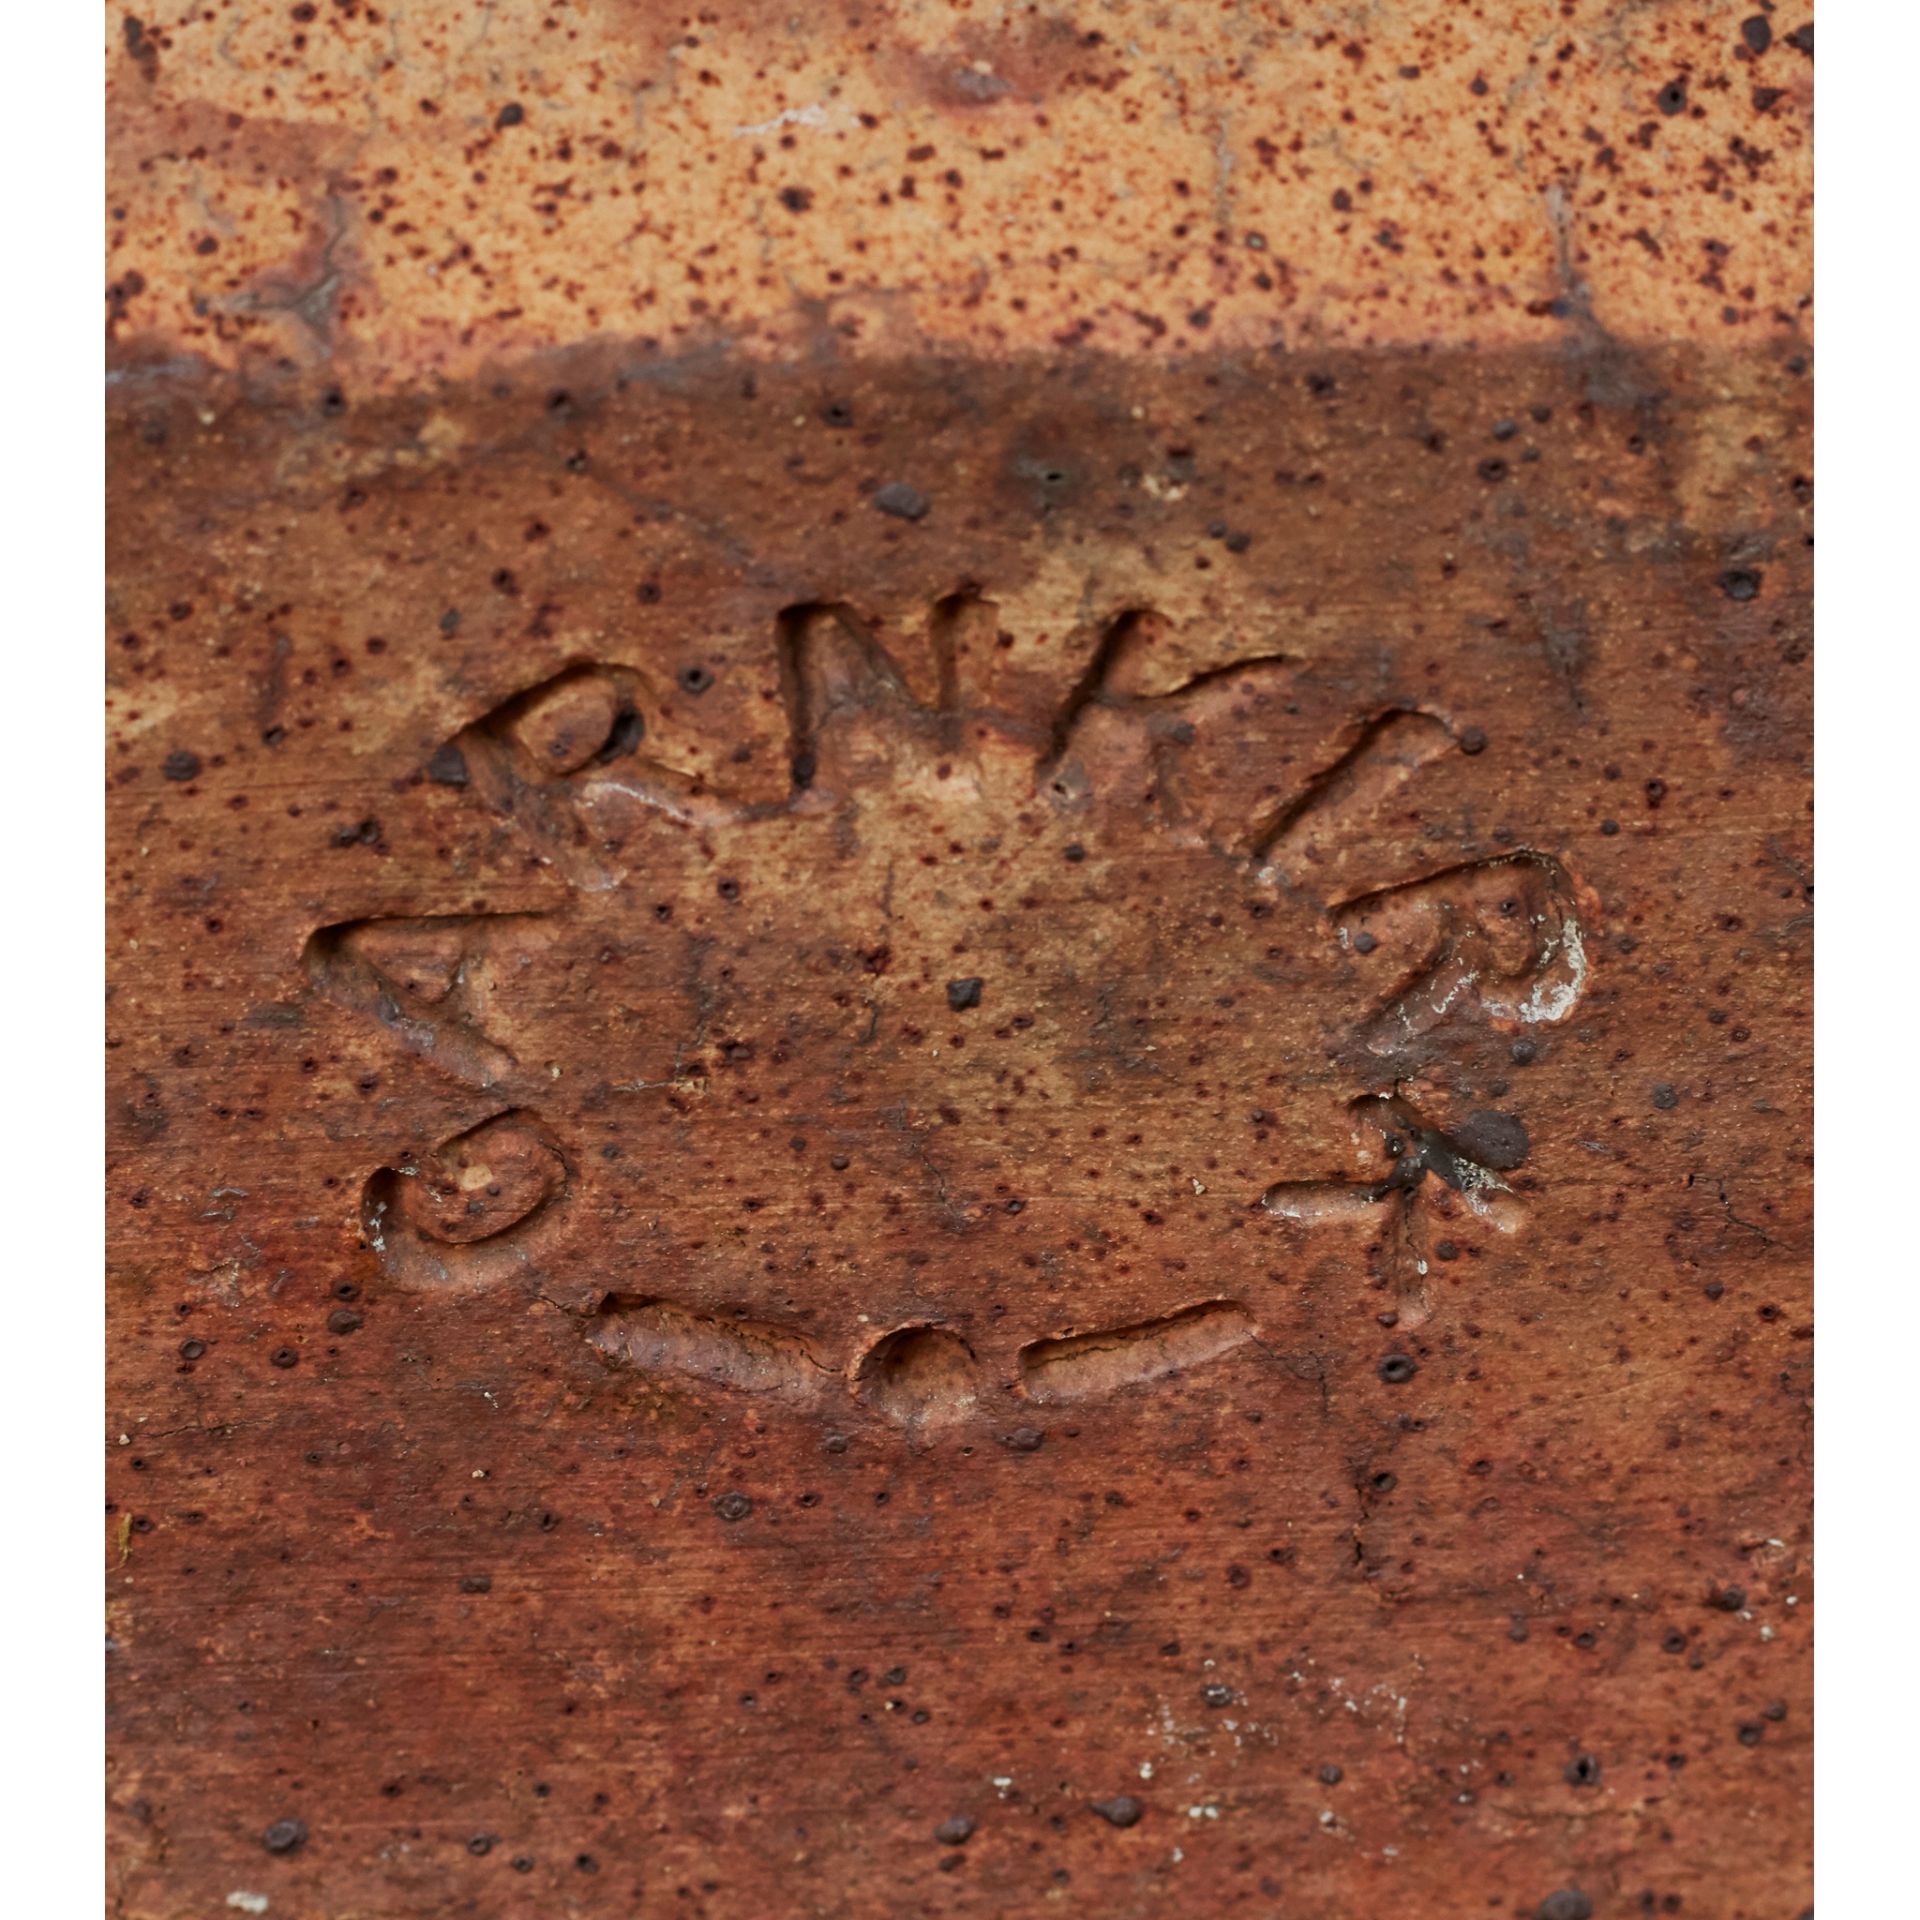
[
  {"x": 955, "y": 1832},
  {"x": 1396, "y": 1369},
  {"x": 1665, "y": 1096},
  {"x": 1473, "y": 740},
  {"x": 1583, "y": 1771},
  {"x": 1740, "y": 583},
  {"x": 1569, "y": 1903},
  {"x": 1672, "y": 98},
  {"x": 476, "y": 1583},
  {"x": 1801, "y": 39},
  {"x": 1493, "y": 471},
  {"x": 901, "y": 501},
  {"x": 1730, "y": 1599},
  {"x": 1123, "y": 1810},
  {"x": 733, "y": 1506},
  {"x": 345, "y": 1320},
  {"x": 962, "y": 994},
  {"x": 1331, "y": 1776},
  {"x": 448, "y": 767},
  {"x": 285, "y": 1836},
  {"x": 1497, "y": 1140},
  {"x": 285, "y": 1357},
  {"x": 694, "y": 679},
  {"x": 1025, "y": 1440},
  {"x": 181, "y": 764},
  {"x": 1523, "y": 1053},
  {"x": 1757, "y": 31},
  {"x": 796, "y": 199},
  {"x": 510, "y": 115}
]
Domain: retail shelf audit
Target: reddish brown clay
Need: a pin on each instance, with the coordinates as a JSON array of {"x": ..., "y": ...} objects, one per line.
[{"x": 923, "y": 1104}]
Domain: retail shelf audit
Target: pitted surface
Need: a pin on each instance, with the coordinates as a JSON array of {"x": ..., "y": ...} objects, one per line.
[
  {"x": 928, "y": 1092},
  {"x": 399, "y": 191}
]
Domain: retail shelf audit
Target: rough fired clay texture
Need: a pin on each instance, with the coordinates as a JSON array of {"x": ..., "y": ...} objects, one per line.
[{"x": 960, "y": 933}]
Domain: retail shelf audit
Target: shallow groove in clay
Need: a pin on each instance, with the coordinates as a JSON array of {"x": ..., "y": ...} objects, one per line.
[{"x": 1079, "y": 1366}]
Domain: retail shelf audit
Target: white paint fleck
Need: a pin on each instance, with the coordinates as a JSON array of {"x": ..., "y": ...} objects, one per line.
[
  {"x": 1460, "y": 985},
  {"x": 243, "y": 1902},
  {"x": 1554, "y": 1001},
  {"x": 816, "y": 116}
]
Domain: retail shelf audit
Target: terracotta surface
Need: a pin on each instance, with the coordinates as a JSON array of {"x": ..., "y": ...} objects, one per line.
[
  {"x": 958, "y": 1046},
  {"x": 400, "y": 190}
]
